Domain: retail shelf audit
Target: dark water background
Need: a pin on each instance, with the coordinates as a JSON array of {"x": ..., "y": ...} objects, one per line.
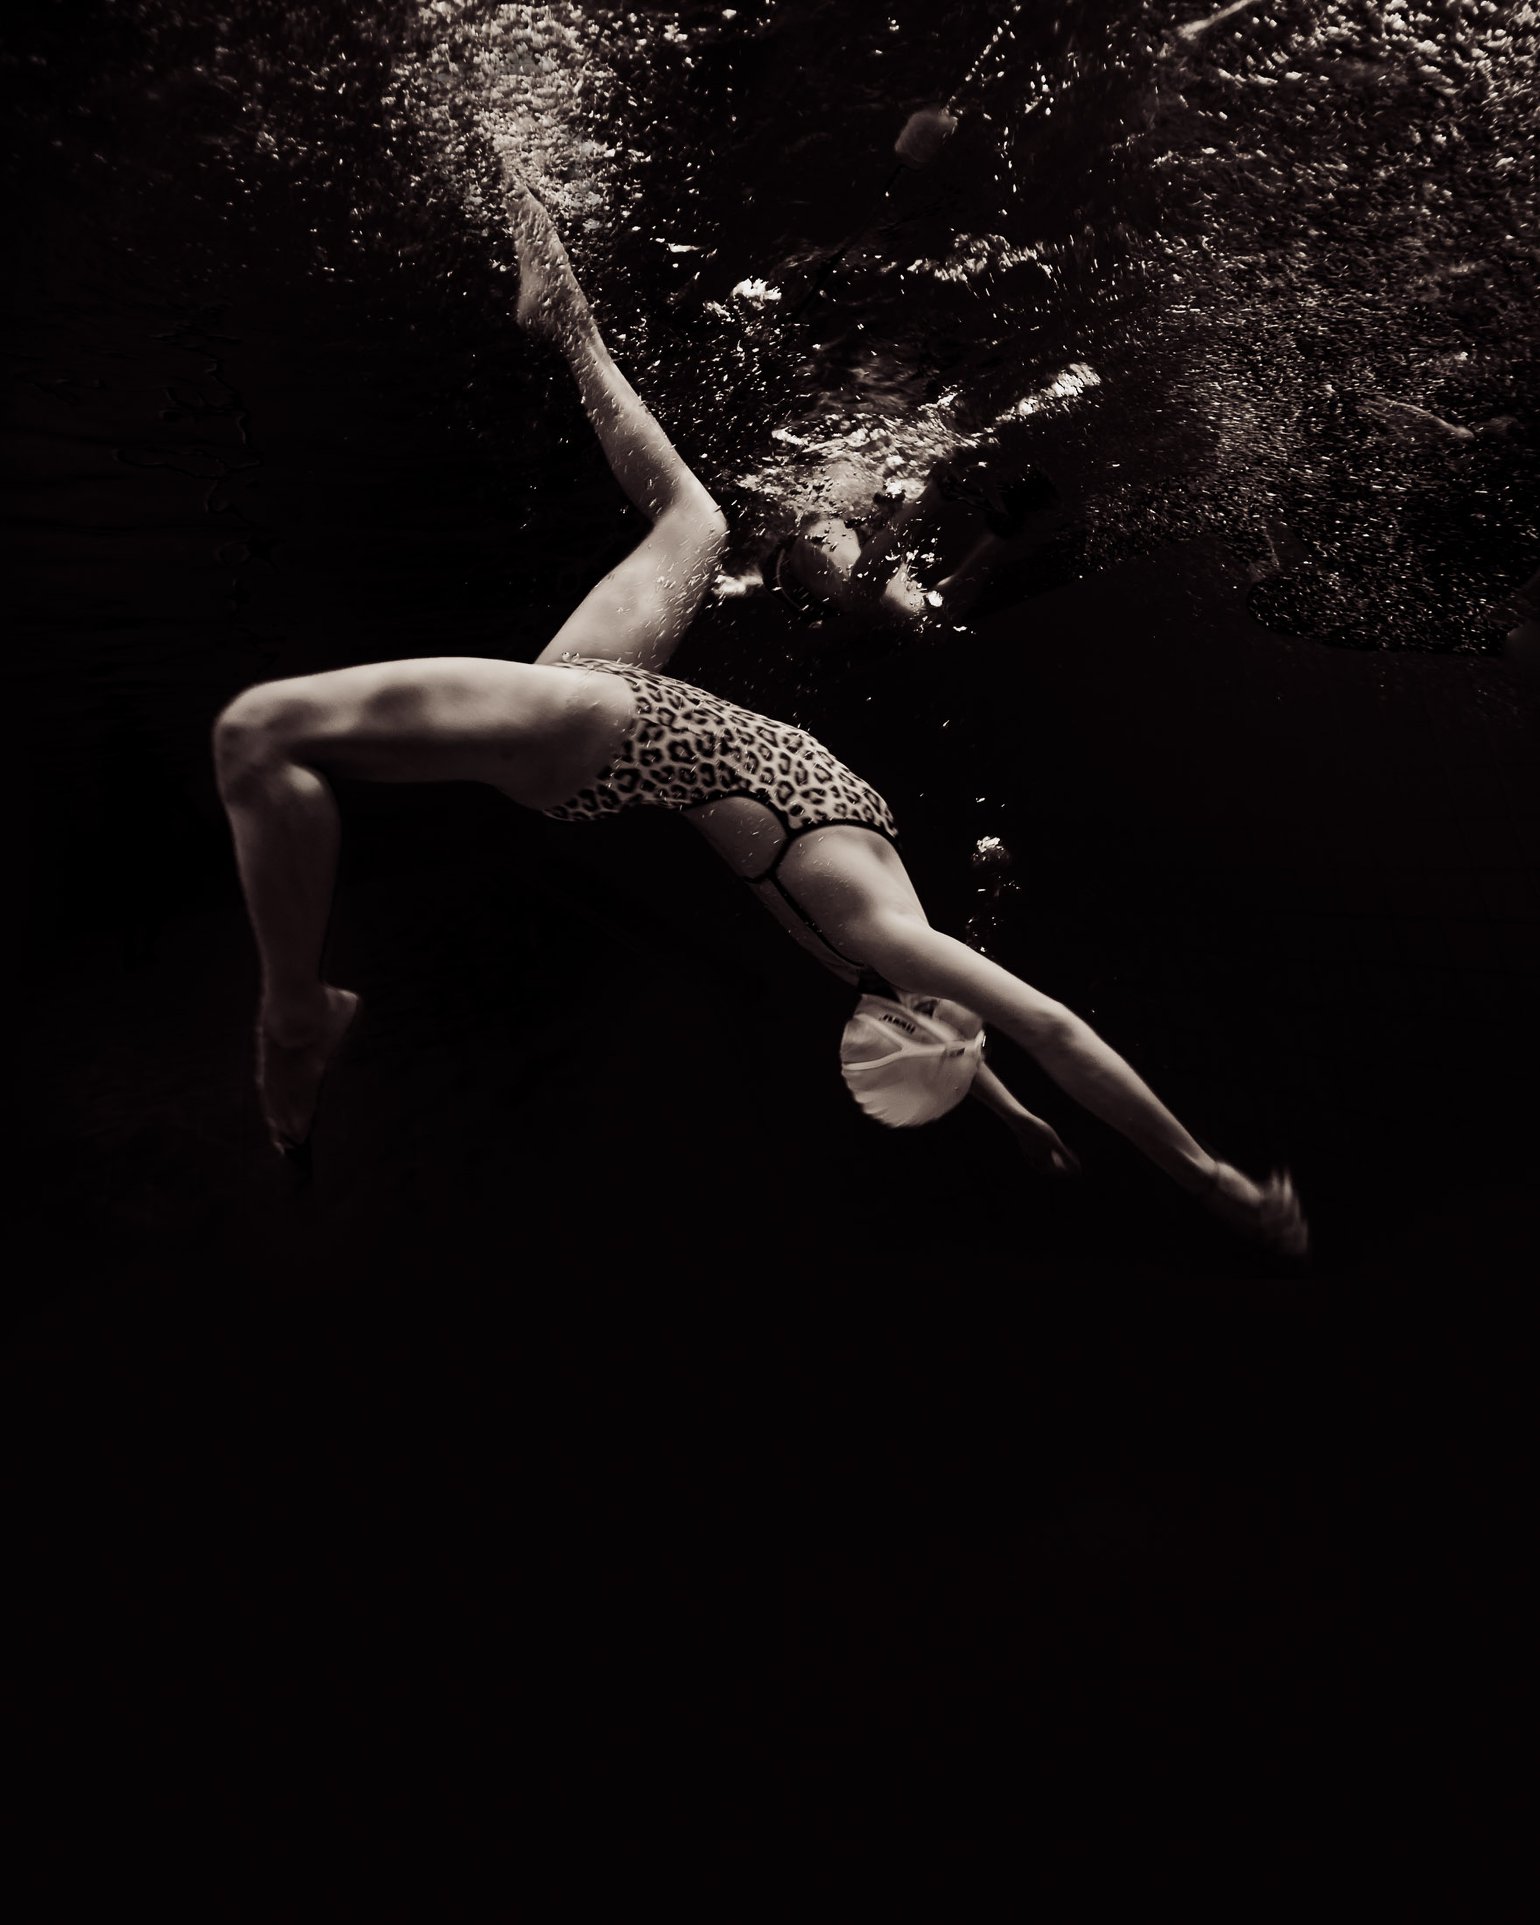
[{"x": 617, "y": 1385}]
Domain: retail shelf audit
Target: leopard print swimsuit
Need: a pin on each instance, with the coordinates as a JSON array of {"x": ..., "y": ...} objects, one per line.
[{"x": 686, "y": 748}]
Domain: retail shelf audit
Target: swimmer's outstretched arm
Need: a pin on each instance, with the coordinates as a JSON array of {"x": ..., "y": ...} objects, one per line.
[
  {"x": 916, "y": 523},
  {"x": 1056, "y": 1039},
  {"x": 910, "y": 530},
  {"x": 640, "y": 610},
  {"x": 903, "y": 947},
  {"x": 906, "y": 530}
]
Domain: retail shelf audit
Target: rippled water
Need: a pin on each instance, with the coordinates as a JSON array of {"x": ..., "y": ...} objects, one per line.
[{"x": 1296, "y": 241}]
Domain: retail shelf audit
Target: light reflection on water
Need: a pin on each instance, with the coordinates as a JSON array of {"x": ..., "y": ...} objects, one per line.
[{"x": 1297, "y": 241}]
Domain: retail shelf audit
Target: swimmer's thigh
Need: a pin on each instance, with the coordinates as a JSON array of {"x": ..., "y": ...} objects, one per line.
[{"x": 441, "y": 719}]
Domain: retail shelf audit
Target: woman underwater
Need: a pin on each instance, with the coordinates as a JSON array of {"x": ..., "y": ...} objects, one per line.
[
  {"x": 864, "y": 566},
  {"x": 592, "y": 726}
]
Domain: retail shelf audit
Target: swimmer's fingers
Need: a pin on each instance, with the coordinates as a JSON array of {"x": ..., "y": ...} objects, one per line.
[
  {"x": 1045, "y": 1149},
  {"x": 1283, "y": 1217},
  {"x": 1063, "y": 1161},
  {"x": 1270, "y": 1212}
]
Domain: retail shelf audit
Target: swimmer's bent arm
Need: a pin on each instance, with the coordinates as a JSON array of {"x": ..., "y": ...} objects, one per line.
[
  {"x": 1040, "y": 1142},
  {"x": 907, "y": 528}
]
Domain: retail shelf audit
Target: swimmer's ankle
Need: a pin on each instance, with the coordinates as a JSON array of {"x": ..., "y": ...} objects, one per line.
[{"x": 296, "y": 1021}]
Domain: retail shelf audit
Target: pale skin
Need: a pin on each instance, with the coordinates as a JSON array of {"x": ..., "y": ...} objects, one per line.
[
  {"x": 873, "y": 581},
  {"x": 540, "y": 731}
]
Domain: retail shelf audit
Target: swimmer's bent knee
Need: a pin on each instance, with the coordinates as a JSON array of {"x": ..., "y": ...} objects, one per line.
[{"x": 256, "y": 729}]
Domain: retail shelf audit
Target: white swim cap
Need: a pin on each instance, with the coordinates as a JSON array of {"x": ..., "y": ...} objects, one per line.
[{"x": 910, "y": 1061}]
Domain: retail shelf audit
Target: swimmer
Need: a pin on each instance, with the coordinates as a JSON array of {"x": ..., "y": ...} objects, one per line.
[
  {"x": 827, "y": 567},
  {"x": 593, "y": 726}
]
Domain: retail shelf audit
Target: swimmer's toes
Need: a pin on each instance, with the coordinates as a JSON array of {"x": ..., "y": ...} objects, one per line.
[
  {"x": 548, "y": 289},
  {"x": 290, "y": 1075},
  {"x": 300, "y": 1159}
]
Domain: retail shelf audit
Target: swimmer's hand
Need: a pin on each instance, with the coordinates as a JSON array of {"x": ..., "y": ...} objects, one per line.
[
  {"x": 924, "y": 135},
  {"x": 1038, "y": 1141},
  {"x": 1043, "y": 1147},
  {"x": 1268, "y": 1212}
]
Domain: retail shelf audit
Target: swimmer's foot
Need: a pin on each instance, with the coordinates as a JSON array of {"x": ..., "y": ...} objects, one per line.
[
  {"x": 1267, "y": 1212},
  {"x": 292, "y": 1064},
  {"x": 550, "y": 300}
]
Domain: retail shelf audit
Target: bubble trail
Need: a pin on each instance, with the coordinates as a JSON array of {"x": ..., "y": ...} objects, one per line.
[{"x": 1301, "y": 255}]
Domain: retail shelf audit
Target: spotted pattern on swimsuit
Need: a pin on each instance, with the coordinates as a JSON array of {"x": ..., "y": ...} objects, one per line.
[{"x": 687, "y": 747}]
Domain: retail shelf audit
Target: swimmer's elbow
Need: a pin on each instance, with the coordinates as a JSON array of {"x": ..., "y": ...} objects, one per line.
[
  {"x": 696, "y": 524},
  {"x": 714, "y": 524},
  {"x": 1052, "y": 1030}
]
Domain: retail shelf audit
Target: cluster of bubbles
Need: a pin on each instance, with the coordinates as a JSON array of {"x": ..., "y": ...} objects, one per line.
[
  {"x": 991, "y": 861},
  {"x": 1344, "y": 258},
  {"x": 604, "y": 112},
  {"x": 533, "y": 91},
  {"x": 1295, "y": 238},
  {"x": 1300, "y": 242}
]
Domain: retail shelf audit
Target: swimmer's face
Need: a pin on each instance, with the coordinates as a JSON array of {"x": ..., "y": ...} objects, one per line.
[{"x": 822, "y": 556}]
